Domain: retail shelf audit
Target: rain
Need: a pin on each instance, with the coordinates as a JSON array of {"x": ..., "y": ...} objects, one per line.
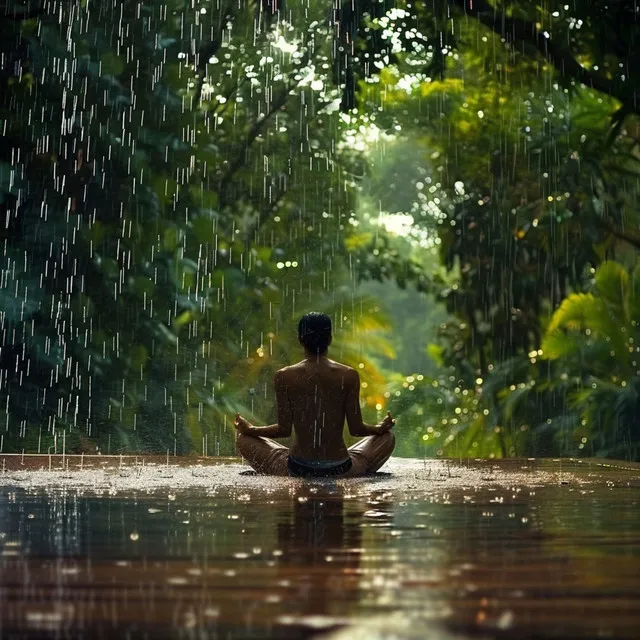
[{"x": 455, "y": 184}]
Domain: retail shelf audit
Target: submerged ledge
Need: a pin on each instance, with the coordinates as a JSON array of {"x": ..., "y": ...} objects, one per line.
[{"x": 146, "y": 473}]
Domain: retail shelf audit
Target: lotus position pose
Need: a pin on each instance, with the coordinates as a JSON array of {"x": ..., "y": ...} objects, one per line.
[{"x": 314, "y": 397}]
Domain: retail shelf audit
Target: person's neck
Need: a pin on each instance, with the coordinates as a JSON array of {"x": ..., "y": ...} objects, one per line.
[{"x": 308, "y": 355}]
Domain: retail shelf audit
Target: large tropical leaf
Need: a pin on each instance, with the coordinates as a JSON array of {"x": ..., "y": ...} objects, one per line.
[
  {"x": 576, "y": 313},
  {"x": 557, "y": 345},
  {"x": 592, "y": 315},
  {"x": 612, "y": 285}
]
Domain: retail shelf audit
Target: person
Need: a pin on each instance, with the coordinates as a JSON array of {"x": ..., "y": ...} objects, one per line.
[{"x": 314, "y": 397}]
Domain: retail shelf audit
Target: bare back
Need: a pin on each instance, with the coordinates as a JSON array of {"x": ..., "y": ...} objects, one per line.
[{"x": 314, "y": 397}]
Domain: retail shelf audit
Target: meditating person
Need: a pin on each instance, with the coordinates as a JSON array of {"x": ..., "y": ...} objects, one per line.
[{"x": 314, "y": 397}]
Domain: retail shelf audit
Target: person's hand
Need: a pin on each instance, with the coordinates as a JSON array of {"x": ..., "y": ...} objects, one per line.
[
  {"x": 241, "y": 425},
  {"x": 387, "y": 423}
]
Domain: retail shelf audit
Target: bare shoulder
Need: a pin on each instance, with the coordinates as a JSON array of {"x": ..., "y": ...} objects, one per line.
[
  {"x": 284, "y": 370},
  {"x": 284, "y": 374},
  {"x": 349, "y": 373},
  {"x": 342, "y": 367}
]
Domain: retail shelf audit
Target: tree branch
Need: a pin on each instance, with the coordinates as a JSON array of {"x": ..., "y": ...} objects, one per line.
[
  {"x": 253, "y": 133},
  {"x": 517, "y": 31},
  {"x": 630, "y": 237},
  {"x": 259, "y": 124},
  {"x": 209, "y": 49},
  {"x": 222, "y": 107},
  {"x": 205, "y": 53}
]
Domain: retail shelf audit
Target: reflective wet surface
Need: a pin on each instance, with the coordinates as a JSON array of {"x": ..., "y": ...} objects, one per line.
[{"x": 518, "y": 549}]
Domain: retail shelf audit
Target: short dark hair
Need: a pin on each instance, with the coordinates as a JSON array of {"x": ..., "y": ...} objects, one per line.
[{"x": 314, "y": 331}]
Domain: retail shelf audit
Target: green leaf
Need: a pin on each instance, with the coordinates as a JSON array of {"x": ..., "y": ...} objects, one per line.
[
  {"x": 612, "y": 285},
  {"x": 184, "y": 318},
  {"x": 141, "y": 285},
  {"x": 574, "y": 312},
  {"x": 170, "y": 239},
  {"x": 557, "y": 344},
  {"x": 112, "y": 64},
  {"x": 8, "y": 178},
  {"x": 138, "y": 356},
  {"x": 161, "y": 332},
  {"x": 164, "y": 42},
  {"x": 436, "y": 353}
]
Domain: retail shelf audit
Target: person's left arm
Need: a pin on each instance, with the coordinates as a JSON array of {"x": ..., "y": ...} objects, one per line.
[{"x": 282, "y": 428}]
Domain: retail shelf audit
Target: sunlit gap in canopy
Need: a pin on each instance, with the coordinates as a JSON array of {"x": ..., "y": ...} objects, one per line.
[
  {"x": 364, "y": 136},
  {"x": 283, "y": 43}
]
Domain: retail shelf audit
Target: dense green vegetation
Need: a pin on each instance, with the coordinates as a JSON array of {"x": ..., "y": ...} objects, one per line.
[{"x": 179, "y": 182}]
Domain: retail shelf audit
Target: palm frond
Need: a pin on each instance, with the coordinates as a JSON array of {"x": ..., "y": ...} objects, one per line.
[
  {"x": 612, "y": 286},
  {"x": 575, "y": 313},
  {"x": 591, "y": 315},
  {"x": 558, "y": 345}
]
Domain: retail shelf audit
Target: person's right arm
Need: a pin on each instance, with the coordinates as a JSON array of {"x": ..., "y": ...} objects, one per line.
[
  {"x": 284, "y": 426},
  {"x": 357, "y": 427}
]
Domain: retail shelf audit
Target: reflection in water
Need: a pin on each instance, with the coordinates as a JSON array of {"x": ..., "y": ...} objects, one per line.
[
  {"x": 302, "y": 558},
  {"x": 321, "y": 541},
  {"x": 224, "y": 564}
]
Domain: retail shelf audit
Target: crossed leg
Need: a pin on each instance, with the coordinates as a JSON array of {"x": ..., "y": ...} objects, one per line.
[
  {"x": 269, "y": 457},
  {"x": 264, "y": 455},
  {"x": 370, "y": 453}
]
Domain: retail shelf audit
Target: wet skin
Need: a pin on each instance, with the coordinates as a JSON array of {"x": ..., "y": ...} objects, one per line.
[{"x": 314, "y": 398}]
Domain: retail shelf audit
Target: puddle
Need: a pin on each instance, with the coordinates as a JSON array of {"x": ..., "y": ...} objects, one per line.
[{"x": 424, "y": 550}]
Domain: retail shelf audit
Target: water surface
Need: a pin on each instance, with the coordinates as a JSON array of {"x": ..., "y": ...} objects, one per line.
[{"x": 520, "y": 549}]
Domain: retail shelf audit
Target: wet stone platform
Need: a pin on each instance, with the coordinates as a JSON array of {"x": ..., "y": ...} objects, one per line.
[{"x": 110, "y": 547}]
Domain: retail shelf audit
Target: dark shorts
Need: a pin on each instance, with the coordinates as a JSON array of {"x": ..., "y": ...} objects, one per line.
[
  {"x": 272, "y": 458},
  {"x": 317, "y": 469}
]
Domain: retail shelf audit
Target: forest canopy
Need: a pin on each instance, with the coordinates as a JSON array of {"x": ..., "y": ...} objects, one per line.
[{"x": 454, "y": 182}]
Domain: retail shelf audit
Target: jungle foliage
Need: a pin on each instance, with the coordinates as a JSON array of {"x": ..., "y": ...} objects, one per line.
[
  {"x": 180, "y": 181},
  {"x": 171, "y": 201},
  {"x": 528, "y": 119}
]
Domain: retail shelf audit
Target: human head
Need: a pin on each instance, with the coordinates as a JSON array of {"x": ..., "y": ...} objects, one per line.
[{"x": 314, "y": 332}]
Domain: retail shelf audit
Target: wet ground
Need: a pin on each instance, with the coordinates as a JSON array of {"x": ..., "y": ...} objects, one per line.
[{"x": 131, "y": 547}]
